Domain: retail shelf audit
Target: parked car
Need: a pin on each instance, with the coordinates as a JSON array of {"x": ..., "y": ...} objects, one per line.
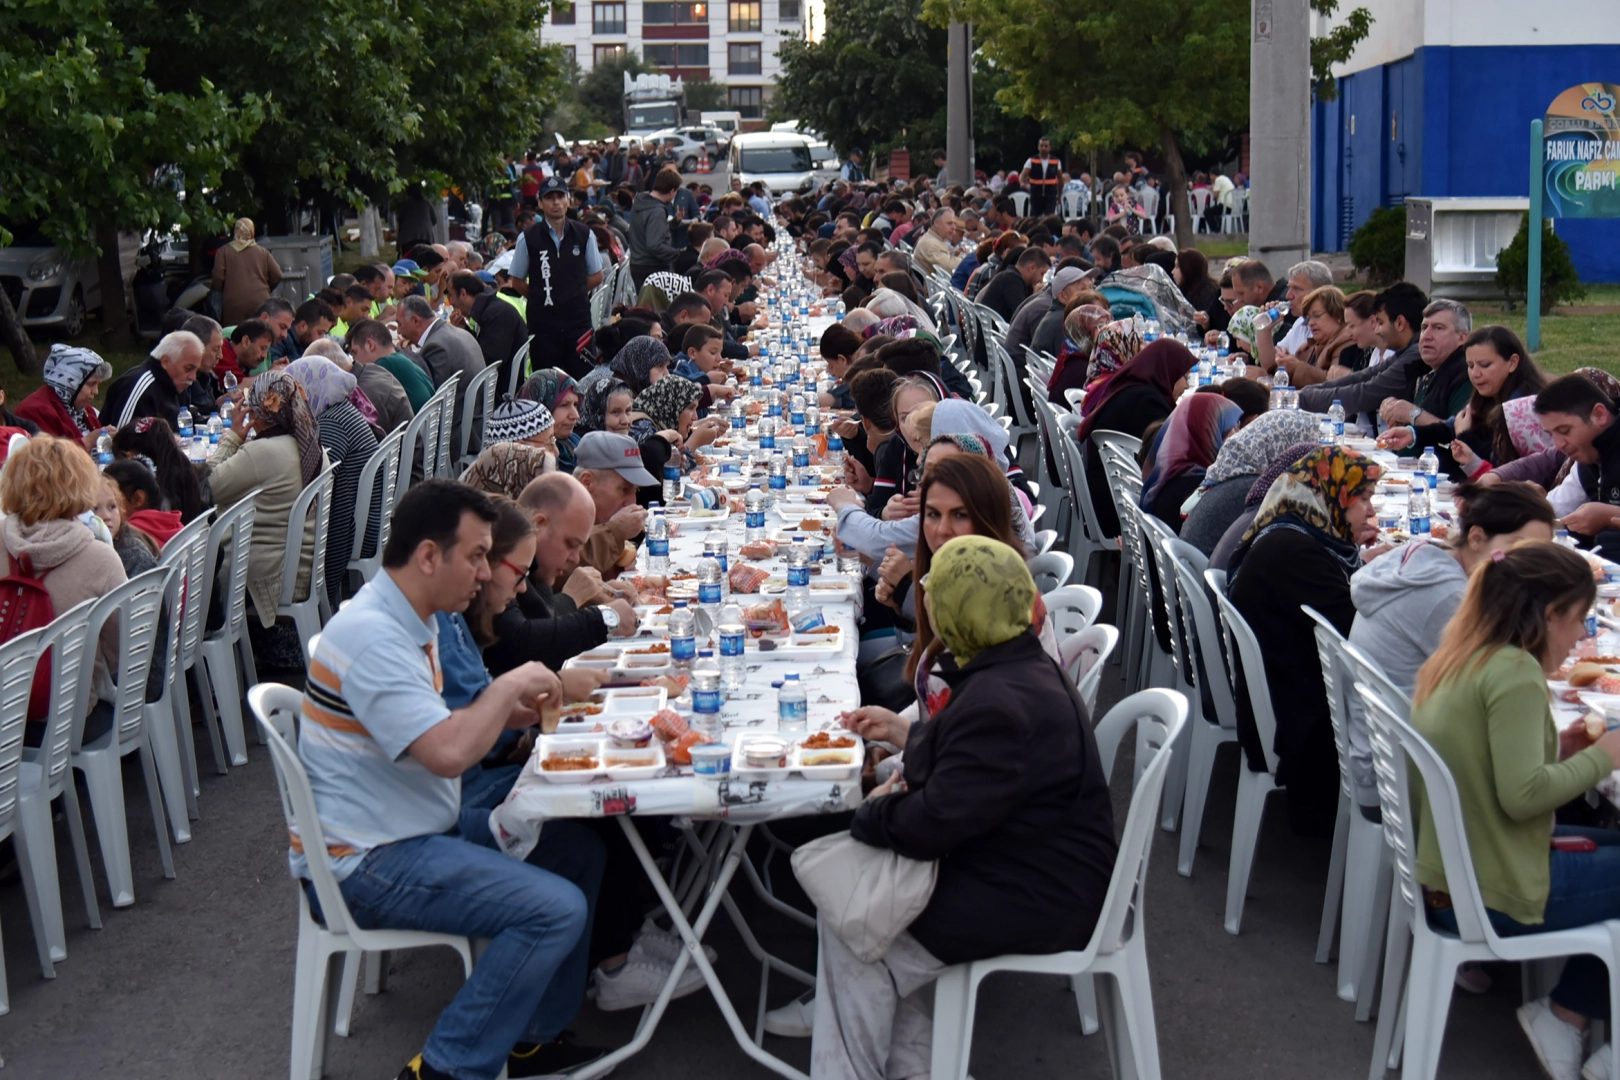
[
  {"x": 824, "y": 157},
  {"x": 781, "y": 160},
  {"x": 48, "y": 288},
  {"x": 690, "y": 142}
]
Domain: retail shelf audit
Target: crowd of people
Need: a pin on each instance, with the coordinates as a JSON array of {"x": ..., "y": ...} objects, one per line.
[{"x": 429, "y": 680}]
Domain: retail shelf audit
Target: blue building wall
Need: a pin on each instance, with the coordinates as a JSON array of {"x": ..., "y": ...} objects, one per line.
[{"x": 1449, "y": 122}]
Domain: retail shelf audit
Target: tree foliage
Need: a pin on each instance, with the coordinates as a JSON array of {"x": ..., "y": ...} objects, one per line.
[
  {"x": 1335, "y": 47},
  {"x": 1560, "y": 281},
  {"x": 1114, "y": 73},
  {"x": 1378, "y": 247},
  {"x": 703, "y": 95}
]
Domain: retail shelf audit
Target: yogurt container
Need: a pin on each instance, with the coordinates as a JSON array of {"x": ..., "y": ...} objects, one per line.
[
  {"x": 630, "y": 733},
  {"x": 711, "y": 759}
]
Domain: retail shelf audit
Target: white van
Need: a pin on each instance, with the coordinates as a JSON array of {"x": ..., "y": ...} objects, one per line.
[
  {"x": 729, "y": 124},
  {"x": 781, "y": 161}
]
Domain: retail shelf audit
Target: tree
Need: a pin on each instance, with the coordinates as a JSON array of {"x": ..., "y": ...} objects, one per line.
[
  {"x": 92, "y": 142},
  {"x": 601, "y": 92},
  {"x": 1335, "y": 47},
  {"x": 1115, "y": 72},
  {"x": 704, "y": 96}
]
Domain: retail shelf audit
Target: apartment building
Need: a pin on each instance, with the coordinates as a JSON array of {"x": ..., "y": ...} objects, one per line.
[{"x": 731, "y": 42}]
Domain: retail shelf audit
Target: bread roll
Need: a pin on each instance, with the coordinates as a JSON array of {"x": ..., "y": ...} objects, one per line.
[{"x": 1585, "y": 674}]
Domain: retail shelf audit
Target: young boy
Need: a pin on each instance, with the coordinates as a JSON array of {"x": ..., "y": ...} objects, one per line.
[{"x": 700, "y": 361}]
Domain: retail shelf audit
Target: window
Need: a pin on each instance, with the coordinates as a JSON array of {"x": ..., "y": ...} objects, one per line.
[
  {"x": 676, "y": 56},
  {"x": 606, "y": 53},
  {"x": 692, "y": 55},
  {"x": 788, "y": 10},
  {"x": 674, "y": 14},
  {"x": 744, "y": 16},
  {"x": 607, "y": 19},
  {"x": 568, "y": 54},
  {"x": 746, "y": 99},
  {"x": 774, "y": 159},
  {"x": 562, "y": 15},
  {"x": 744, "y": 60}
]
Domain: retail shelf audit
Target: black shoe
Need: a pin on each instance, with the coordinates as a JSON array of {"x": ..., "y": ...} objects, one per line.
[
  {"x": 417, "y": 1069},
  {"x": 560, "y": 1055}
]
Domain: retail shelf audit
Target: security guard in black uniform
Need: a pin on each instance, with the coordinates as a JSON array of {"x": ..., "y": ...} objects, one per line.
[{"x": 559, "y": 263}]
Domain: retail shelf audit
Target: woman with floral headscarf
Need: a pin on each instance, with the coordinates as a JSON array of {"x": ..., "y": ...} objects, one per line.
[
  {"x": 1244, "y": 455},
  {"x": 1080, "y": 329},
  {"x": 606, "y": 407},
  {"x": 668, "y": 411},
  {"x": 349, "y": 440},
  {"x": 1244, "y": 335},
  {"x": 557, "y": 391},
  {"x": 275, "y": 446},
  {"x": 1117, "y": 344},
  {"x": 1301, "y": 549},
  {"x": 62, "y": 407},
  {"x": 245, "y": 274}
]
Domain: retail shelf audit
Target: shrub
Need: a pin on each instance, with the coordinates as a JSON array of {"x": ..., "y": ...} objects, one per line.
[
  {"x": 1560, "y": 282},
  {"x": 1378, "y": 248}
]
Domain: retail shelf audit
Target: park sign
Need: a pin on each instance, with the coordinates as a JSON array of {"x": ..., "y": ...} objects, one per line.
[{"x": 1581, "y": 153}]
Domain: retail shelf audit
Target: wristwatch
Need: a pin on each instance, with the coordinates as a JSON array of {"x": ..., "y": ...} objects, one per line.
[
  {"x": 610, "y": 618},
  {"x": 1411, "y": 417}
]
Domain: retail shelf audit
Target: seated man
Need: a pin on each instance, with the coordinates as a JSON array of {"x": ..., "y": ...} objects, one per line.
[
  {"x": 385, "y": 757},
  {"x": 611, "y": 469}
]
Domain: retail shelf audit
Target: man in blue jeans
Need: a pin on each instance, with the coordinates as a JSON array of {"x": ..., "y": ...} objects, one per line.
[{"x": 385, "y": 756}]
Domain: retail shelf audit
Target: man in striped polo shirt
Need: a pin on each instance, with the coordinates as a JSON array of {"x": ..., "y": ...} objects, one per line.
[{"x": 385, "y": 756}]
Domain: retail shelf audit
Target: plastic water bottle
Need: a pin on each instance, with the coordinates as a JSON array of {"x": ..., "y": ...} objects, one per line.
[
  {"x": 812, "y": 421},
  {"x": 1279, "y": 378},
  {"x": 682, "y": 636},
  {"x": 801, "y": 452},
  {"x": 792, "y": 706},
  {"x": 672, "y": 483},
  {"x": 733, "y": 643},
  {"x": 706, "y": 698},
  {"x": 767, "y": 433},
  {"x": 1417, "y": 512},
  {"x": 835, "y": 449},
  {"x": 778, "y": 478},
  {"x": 1235, "y": 367},
  {"x": 216, "y": 428},
  {"x": 104, "y": 451},
  {"x": 1430, "y": 464},
  {"x": 1268, "y": 317},
  {"x": 1206, "y": 372},
  {"x": 186, "y": 430},
  {"x": 754, "y": 516},
  {"x": 714, "y": 547},
  {"x": 1336, "y": 414},
  {"x": 773, "y": 403},
  {"x": 799, "y": 558},
  {"x": 657, "y": 541},
  {"x": 739, "y": 416},
  {"x": 1223, "y": 344},
  {"x": 796, "y": 407},
  {"x": 226, "y": 412},
  {"x": 710, "y": 592}
]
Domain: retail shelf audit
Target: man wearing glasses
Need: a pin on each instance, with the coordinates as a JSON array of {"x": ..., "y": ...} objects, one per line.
[{"x": 556, "y": 264}]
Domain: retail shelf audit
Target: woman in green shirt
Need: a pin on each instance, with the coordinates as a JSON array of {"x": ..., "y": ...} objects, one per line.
[{"x": 1482, "y": 703}]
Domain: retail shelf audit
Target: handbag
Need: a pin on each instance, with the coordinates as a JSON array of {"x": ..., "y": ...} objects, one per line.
[{"x": 867, "y": 895}]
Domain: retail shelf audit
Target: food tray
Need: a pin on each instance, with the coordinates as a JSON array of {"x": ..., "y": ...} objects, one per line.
[
  {"x": 828, "y": 772},
  {"x": 832, "y": 587},
  {"x": 798, "y": 646},
  {"x": 615, "y": 704},
  {"x": 613, "y": 763},
  {"x": 623, "y": 671},
  {"x": 682, "y": 513}
]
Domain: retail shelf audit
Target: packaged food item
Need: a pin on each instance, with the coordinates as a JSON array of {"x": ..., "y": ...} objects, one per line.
[
  {"x": 669, "y": 724},
  {"x": 680, "y": 751},
  {"x": 630, "y": 733},
  {"x": 808, "y": 621},
  {"x": 768, "y": 752},
  {"x": 757, "y": 549},
  {"x": 747, "y": 579},
  {"x": 711, "y": 759},
  {"x": 767, "y": 618}
]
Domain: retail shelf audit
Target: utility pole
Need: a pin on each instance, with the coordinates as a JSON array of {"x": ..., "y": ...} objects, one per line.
[
  {"x": 959, "y": 105},
  {"x": 1280, "y": 134}
]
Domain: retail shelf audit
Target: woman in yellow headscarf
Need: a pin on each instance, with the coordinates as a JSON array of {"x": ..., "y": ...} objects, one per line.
[{"x": 245, "y": 274}]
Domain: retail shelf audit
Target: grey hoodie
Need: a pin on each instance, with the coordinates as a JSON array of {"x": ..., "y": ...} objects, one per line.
[
  {"x": 1403, "y": 602},
  {"x": 651, "y": 247}
]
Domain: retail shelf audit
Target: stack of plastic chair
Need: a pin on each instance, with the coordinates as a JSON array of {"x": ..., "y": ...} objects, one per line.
[
  {"x": 1198, "y": 613},
  {"x": 169, "y": 717},
  {"x": 1051, "y": 571},
  {"x": 227, "y": 657},
  {"x": 377, "y": 492},
  {"x": 1156, "y": 538},
  {"x": 421, "y": 444},
  {"x": 1086, "y": 537},
  {"x": 476, "y": 405},
  {"x": 1118, "y": 945},
  {"x": 444, "y": 461},
  {"x": 313, "y": 506}
]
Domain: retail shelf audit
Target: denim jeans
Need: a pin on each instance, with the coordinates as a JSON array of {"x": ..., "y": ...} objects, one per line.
[
  {"x": 1585, "y": 889},
  {"x": 529, "y": 983}
]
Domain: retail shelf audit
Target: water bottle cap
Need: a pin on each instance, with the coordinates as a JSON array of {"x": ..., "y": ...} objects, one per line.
[
  {"x": 794, "y": 675},
  {"x": 706, "y": 652},
  {"x": 1336, "y": 401},
  {"x": 1428, "y": 449},
  {"x": 680, "y": 603},
  {"x": 776, "y": 686}
]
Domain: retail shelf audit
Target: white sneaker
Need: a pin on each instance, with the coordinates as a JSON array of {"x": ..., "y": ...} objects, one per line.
[
  {"x": 665, "y": 945},
  {"x": 795, "y": 1020},
  {"x": 1597, "y": 1066},
  {"x": 639, "y": 981},
  {"x": 1557, "y": 1043}
]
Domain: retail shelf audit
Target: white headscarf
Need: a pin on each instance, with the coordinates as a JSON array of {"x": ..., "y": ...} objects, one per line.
[{"x": 888, "y": 303}]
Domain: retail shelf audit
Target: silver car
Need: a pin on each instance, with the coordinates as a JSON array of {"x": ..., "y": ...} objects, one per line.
[{"x": 47, "y": 287}]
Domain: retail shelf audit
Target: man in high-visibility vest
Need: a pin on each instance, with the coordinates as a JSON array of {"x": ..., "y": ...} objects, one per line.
[{"x": 1043, "y": 178}]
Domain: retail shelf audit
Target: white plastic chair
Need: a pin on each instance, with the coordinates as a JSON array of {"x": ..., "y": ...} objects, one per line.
[
  {"x": 476, "y": 405},
  {"x": 1192, "y": 592},
  {"x": 1044, "y": 539},
  {"x": 1072, "y": 608},
  {"x": 1198, "y": 205},
  {"x": 1253, "y": 787},
  {"x": 1051, "y": 570},
  {"x": 1075, "y": 202},
  {"x": 227, "y": 657},
  {"x": 315, "y": 988},
  {"x": 187, "y": 551},
  {"x": 1016, "y": 409},
  {"x": 1118, "y": 945},
  {"x": 137, "y": 603},
  {"x": 520, "y": 364},
  {"x": 1182, "y": 671},
  {"x": 1020, "y": 201},
  {"x": 379, "y": 483},
  {"x": 1435, "y": 956},
  {"x": 444, "y": 463},
  {"x": 1084, "y": 655},
  {"x": 46, "y": 772},
  {"x": 1086, "y": 537},
  {"x": 313, "y": 506},
  {"x": 421, "y": 443}
]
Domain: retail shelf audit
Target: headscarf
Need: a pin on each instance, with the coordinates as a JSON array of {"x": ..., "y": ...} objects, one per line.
[
  {"x": 888, "y": 303},
  {"x": 980, "y": 595},
  {"x": 850, "y": 257},
  {"x": 593, "y": 407},
  {"x": 324, "y": 382},
  {"x": 636, "y": 360},
  {"x": 1248, "y": 452},
  {"x": 953, "y": 416},
  {"x": 506, "y": 468},
  {"x": 1605, "y": 382},
  {"x": 1279, "y": 465},
  {"x": 1189, "y": 441},
  {"x": 1080, "y": 328},
  {"x": 727, "y": 255},
  {"x": 1524, "y": 427},
  {"x": 667, "y": 282},
  {"x": 1241, "y": 326},
  {"x": 277, "y": 398},
  {"x": 1313, "y": 495},
  {"x": 243, "y": 237},
  {"x": 547, "y": 386},
  {"x": 968, "y": 444},
  {"x": 894, "y": 325},
  {"x": 1116, "y": 345},
  {"x": 664, "y": 404},
  {"x": 67, "y": 369},
  {"x": 1160, "y": 366}
]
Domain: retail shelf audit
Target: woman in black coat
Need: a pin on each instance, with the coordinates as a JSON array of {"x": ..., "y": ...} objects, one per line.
[
  {"x": 1301, "y": 549},
  {"x": 1003, "y": 787}
]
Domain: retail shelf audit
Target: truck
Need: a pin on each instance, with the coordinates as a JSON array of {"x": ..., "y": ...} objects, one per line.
[
  {"x": 729, "y": 123},
  {"x": 652, "y": 102}
]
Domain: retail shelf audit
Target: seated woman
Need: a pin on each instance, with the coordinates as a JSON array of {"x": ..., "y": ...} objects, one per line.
[
  {"x": 1187, "y": 445},
  {"x": 1323, "y": 312},
  {"x": 139, "y": 500},
  {"x": 46, "y": 484},
  {"x": 1221, "y": 556},
  {"x": 1404, "y": 599},
  {"x": 65, "y": 405},
  {"x": 282, "y": 458},
  {"x": 1223, "y": 492},
  {"x": 1481, "y": 702},
  {"x": 1301, "y": 549},
  {"x": 556, "y": 390},
  {"x": 185, "y": 486},
  {"x": 349, "y": 440},
  {"x": 670, "y": 411},
  {"x": 136, "y": 550},
  {"x": 1072, "y": 371},
  {"x": 606, "y": 406},
  {"x": 838, "y": 347},
  {"x": 1025, "y": 854}
]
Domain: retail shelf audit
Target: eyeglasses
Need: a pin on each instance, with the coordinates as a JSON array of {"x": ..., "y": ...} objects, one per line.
[
  {"x": 1229, "y": 304},
  {"x": 516, "y": 569}
]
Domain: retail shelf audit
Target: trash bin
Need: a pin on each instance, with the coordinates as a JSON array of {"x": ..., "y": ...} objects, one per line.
[
  {"x": 1452, "y": 244},
  {"x": 306, "y": 264}
]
